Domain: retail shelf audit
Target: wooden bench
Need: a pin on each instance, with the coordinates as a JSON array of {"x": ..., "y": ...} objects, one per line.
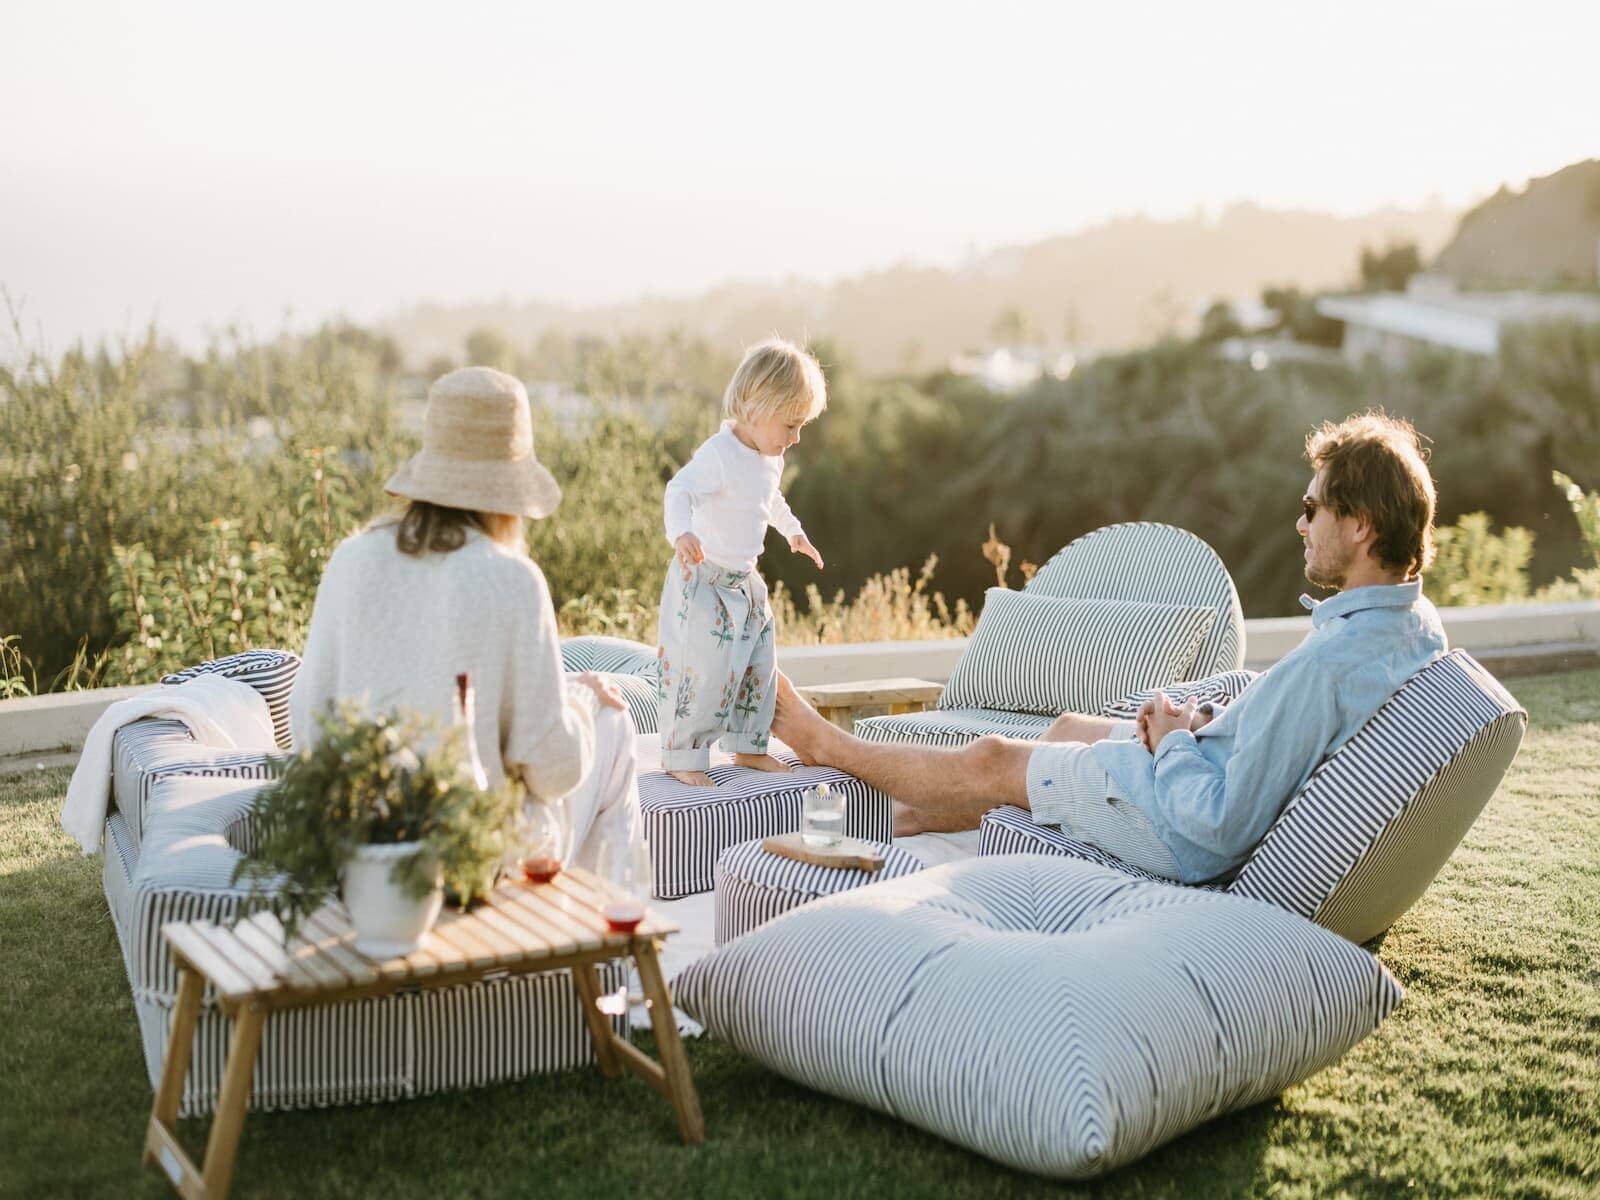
[
  {"x": 522, "y": 928},
  {"x": 838, "y": 702}
]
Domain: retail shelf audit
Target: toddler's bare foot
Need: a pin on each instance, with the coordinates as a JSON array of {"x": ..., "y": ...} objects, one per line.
[
  {"x": 693, "y": 778},
  {"x": 761, "y": 762}
]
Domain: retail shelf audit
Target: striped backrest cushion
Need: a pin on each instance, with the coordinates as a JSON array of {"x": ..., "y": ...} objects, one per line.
[
  {"x": 270, "y": 672},
  {"x": 1037, "y": 654},
  {"x": 1219, "y": 689},
  {"x": 1375, "y": 822},
  {"x": 1156, "y": 564},
  {"x": 639, "y": 693},
  {"x": 1051, "y": 1014},
  {"x": 594, "y": 652}
]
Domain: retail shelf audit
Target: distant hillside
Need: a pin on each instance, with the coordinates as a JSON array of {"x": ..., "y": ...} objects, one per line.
[
  {"x": 1117, "y": 284},
  {"x": 1546, "y": 235}
]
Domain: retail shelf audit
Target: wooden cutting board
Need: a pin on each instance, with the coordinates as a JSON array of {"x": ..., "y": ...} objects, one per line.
[{"x": 849, "y": 853}]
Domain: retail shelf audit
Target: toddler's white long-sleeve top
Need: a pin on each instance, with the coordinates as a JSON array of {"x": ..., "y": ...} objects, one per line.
[{"x": 727, "y": 495}]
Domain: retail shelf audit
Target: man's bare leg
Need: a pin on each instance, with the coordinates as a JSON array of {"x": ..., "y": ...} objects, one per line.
[
  {"x": 693, "y": 778},
  {"x": 936, "y": 790},
  {"x": 1079, "y": 727}
]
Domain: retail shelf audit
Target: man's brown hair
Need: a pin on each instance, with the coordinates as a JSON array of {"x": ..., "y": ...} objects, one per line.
[{"x": 1374, "y": 466}]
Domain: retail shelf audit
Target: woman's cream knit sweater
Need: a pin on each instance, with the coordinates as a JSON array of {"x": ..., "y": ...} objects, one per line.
[{"x": 391, "y": 629}]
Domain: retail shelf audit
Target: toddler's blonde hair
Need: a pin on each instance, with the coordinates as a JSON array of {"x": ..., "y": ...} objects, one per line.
[{"x": 776, "y": 379}]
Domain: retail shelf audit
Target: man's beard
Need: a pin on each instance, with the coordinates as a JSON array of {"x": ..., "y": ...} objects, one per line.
[{"x": 1326, "y": 575}]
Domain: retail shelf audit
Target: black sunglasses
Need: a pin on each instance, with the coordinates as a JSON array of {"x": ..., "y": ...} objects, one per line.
[{"x": 1310, "y": 507}]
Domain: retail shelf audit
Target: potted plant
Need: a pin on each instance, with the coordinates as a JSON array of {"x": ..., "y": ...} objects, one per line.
[{"x": 364, "y": 812}]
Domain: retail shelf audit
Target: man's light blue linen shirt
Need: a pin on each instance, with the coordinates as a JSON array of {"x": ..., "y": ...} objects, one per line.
[{"x": 1212, "y": 794}]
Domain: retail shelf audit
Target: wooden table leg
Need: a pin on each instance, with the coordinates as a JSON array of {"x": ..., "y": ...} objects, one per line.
[
  {"x": 232, "y": 1100},
  {"x": 674, "y": 1062},
  {"x": 161, "y": 1146},
  {"x": 600, "y": 1032},
  {"x": 843, "y": 717}
]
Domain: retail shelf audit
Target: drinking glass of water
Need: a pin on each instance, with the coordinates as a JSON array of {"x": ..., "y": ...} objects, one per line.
[{"x": 822, "y": 816}]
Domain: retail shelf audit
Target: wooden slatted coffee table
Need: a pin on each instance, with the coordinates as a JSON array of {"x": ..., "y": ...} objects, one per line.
[{"x": 522, "y": 928}]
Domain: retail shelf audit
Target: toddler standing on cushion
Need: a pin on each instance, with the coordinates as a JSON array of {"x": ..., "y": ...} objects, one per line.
[{"x": 718, "y": 662}]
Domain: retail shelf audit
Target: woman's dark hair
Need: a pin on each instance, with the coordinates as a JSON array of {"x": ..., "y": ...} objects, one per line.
[
  {"x": 427, "y": 528},
  {"x": 1374, "y": 466}
]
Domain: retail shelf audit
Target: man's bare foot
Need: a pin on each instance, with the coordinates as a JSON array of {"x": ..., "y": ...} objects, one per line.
[
  {"x": 907, "y": 820},
  {"x": 802, "y": 728},
  {"x": 693, "y": 778},
  {"x": 761, "y": 762}
]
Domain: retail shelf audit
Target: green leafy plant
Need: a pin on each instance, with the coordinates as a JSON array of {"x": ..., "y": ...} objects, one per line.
[
  {"x": 1475, "y": 565},
  {"x": 366, "y": 781}
]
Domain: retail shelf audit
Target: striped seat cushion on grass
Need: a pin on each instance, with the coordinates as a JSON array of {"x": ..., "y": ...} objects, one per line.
[
  {"x": 1155, "y": 564},
  {"x": 639, "y": 693},
  {"x": 688, "y": 827},
  {"x": 1050, "y": 1014},
  {"x": 1038, "y": 654},
  {"x": 1376, "y": 822},
  {"x": 950, "y": 726},
  {"x": 376, "y": 1049},
  {"x": 1219, "y": 689},
  {"x": 148, "y": 751},
  {"x": 594, "y": 652},
  {"x": 270, "y": 672},
  {"x": 753, "y": 885}
]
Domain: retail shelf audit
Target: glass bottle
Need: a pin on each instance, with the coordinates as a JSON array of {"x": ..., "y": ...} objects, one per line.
[{"x": 465, "y": 719}]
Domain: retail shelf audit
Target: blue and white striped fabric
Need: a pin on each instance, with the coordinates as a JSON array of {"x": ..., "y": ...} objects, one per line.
[
  {"x": 1039, "y": 654},
  {"x": 376, "y": 1049},
  {"x": 1155, "y": 564},
  {"x": 950, "y": 726},
  {"x": 639, "y": 693},
  {"x": 688, "y": 827},
  {"x": 1219, "y": 689},
  {"x": 270, "y": 672},
  {"x": 1376, "y": 822},
  {"x": 753, "y": 886},
  {"x": 145, "y": 752},
  {"x": 1050, "y": 1014},
  {"x": 595, "y": 652}
]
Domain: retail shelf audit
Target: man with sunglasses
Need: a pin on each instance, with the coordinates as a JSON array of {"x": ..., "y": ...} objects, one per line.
[{"x": 1187, "y": 794}]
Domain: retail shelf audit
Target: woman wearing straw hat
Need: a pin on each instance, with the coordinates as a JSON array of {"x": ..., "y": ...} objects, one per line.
[{"x": 446, "y": 586}]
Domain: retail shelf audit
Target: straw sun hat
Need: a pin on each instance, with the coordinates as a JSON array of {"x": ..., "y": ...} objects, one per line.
[{"x": 477, "y": 449}]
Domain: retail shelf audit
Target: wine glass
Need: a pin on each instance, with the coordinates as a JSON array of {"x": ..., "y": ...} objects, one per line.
[
  {"x": 625, "y": 864},
  {"x": 542, "y": 840}
]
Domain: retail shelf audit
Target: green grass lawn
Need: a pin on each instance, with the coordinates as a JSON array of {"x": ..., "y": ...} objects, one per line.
[{"x": 1486, "y": 1081}]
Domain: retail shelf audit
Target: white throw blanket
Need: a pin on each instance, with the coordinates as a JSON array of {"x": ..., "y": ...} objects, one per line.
[{"x": 220, "y": 712}]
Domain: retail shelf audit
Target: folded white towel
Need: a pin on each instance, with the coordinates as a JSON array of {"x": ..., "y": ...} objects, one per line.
[{"x": 219, "y": 712}]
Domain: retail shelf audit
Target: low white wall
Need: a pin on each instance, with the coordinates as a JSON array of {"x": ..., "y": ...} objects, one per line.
[{"x": 43, "y": 723}]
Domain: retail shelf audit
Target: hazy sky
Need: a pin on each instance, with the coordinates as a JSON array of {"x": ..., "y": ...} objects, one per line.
[{"x": 207, "y": 163}]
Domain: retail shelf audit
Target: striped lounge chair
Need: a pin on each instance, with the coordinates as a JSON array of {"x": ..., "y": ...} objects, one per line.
[
  {"x": 182, "y": 817},
  {"x": 629, "y": 665},
  {"x": 1375, "y": 822},
  {"x": 1140, "y": 562}
]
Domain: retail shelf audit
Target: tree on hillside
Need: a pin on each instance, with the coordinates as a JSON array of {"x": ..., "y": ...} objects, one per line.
[
  {"x": 1014, "y": 327},
  {"x": 1219, "y": 323},
  {"x": 1390, "y": 270},
  {"x": 1299, "y": 318}
]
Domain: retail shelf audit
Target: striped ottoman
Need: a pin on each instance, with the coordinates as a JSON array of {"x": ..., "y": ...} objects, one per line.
[
  {"x": 688, "y": 827},
  {"x": 754, "y": 886}
]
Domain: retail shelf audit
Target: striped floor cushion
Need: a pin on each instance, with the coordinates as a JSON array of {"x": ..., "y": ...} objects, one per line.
[
  {"x": 950, "y": 726},
  {"x": 1219, "y": 689},
  {"x": 1050, "y": 1014},
  {"x": 1375, "y": 822},
  {"x": 688, "y": 827},
  {"x": 753, "y": 886},
  {"x": 376, "y": 1049},
  {"x": 270, "y": 672}
]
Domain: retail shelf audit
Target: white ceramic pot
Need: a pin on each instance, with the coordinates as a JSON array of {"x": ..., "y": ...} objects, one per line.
[{"x": 388, "y": 922}]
